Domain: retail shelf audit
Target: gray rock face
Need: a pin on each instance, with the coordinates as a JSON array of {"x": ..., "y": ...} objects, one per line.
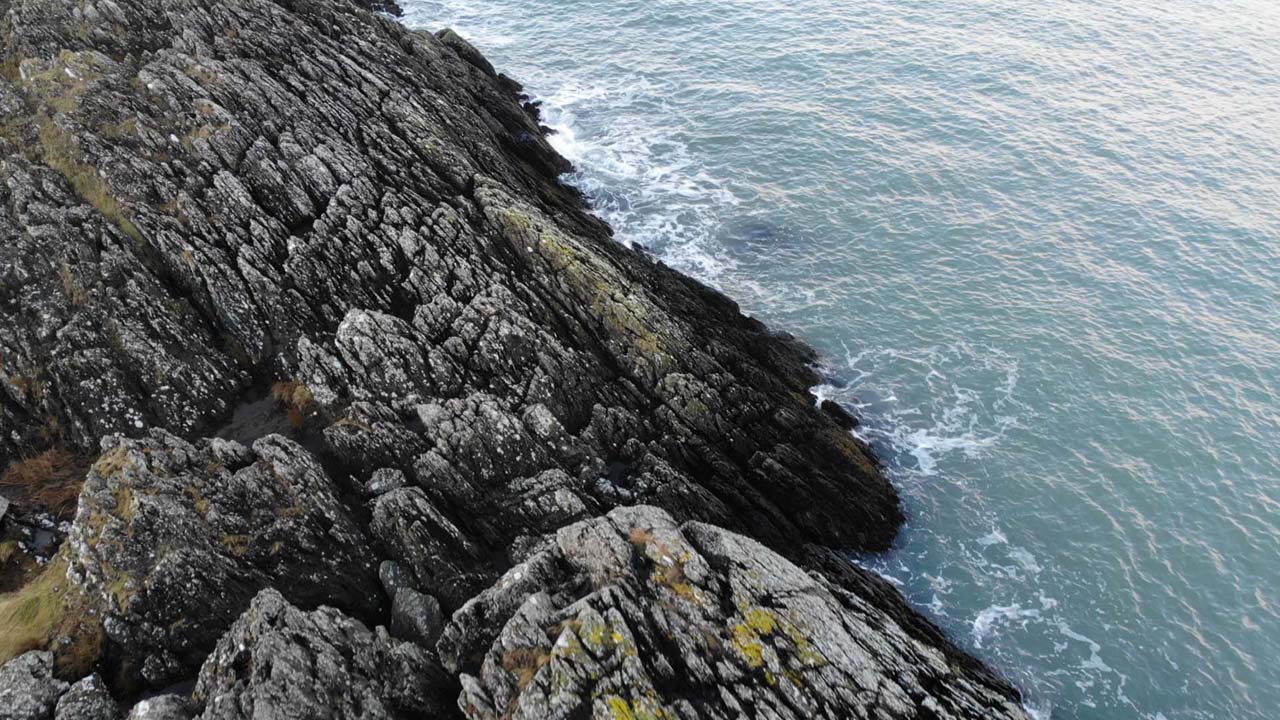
[
  {"x": 384, "y": 481},
  {"x": 221, "y": 209},
  {"x": 28, "y": 689},
  {"x": 631, "y": 615},
  {"x": 161, "y": 707},
  {"x": 437, "y": 553},
  {"x": 173, "y": 539},
  {"x": 280, "y": 662},
  {"x": 88, "y": 699},
  {"x": 416, "y": 617}
]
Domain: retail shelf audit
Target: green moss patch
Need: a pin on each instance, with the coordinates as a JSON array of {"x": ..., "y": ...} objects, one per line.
[{"x": 50, "y": 613}]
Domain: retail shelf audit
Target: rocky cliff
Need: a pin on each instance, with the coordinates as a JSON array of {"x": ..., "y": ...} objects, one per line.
[{"x": 374, "y": 419}]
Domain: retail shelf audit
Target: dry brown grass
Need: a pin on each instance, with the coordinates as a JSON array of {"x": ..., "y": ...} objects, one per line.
[
  {"x": 525, "y": 663},
  {"x": 51, "y": 480},
  {"x": 297, "y": 400},
  {"x": 8, "y": 549},
  {"x": 30, "y": 386},
  {"x": 113, "y": 461},
  {"x": 71, "y": 286},
  {"x": 671, "y": 573}
]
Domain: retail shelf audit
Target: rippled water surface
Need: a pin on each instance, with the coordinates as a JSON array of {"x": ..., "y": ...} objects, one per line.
[{"x": 1038, "y": 240}]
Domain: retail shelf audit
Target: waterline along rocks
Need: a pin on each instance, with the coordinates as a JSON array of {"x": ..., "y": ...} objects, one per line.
[{"x": 377, "y": 419}]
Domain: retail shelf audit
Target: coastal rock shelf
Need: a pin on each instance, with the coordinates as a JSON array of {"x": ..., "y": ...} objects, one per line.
[{"x": 374, "y": 418}]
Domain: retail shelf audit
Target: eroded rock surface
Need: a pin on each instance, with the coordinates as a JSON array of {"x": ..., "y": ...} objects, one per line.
[
  {"x": 631, "y": 615},
  {"x": 277, "y": 661},
  {"x": 88, "y": 699},
  {"x": 307, "y": 284},
  {"x": 28, "y": 689},
  {"x": 172, "y": 540}
]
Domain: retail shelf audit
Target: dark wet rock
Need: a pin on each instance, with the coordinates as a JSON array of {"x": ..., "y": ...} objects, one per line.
[
  {"x": 466, "y": 50},
  {"x": 394, "y": 577},
  {"x": 204, "y": 199},
  {"x": 28, "y": 689},
  {"x": 391, "y": 7},
  {"x": 416, "y": 617},
  {"x": 438, "y": 555},
  {"x": 632, "y": 615},
  {"x": 839, "y": 414},
  {"x": 88, "y": 699},
  {"x": 280, "y": 662},
  {"x": 173, "y": 539}
]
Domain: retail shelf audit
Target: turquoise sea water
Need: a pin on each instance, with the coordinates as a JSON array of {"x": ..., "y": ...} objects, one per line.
[{"x": 1037, "y": 241}]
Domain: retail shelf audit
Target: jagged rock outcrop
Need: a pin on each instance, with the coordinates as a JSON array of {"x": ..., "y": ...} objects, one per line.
[
  {"x": 307, "y": 284},
  {"x": 28, "y": 689},
  {"x": 631, "y": 615},
  {"x": 172, "y": 539},
  {"x": 280, "y": 662},
  {"x": 88, "y": 699},
  {"x": 225, "y": 191}
]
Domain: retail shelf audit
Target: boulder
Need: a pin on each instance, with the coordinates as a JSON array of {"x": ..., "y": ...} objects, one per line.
[
  {"x": 161, "y": 707},
  {"x": 384, "y": 480},
  {"x": 87, "y": 699},
  {"x": 416, "y": 617},
  {"x": 173, "y": 539},
  {"x": 277, "y": 661},
  {"x": 28, "y": 689},
  {"x": 394, "y": 578}
]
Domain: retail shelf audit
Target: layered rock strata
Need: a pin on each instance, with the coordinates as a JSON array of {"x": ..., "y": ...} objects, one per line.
[{"x": 379, "y": 420}]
